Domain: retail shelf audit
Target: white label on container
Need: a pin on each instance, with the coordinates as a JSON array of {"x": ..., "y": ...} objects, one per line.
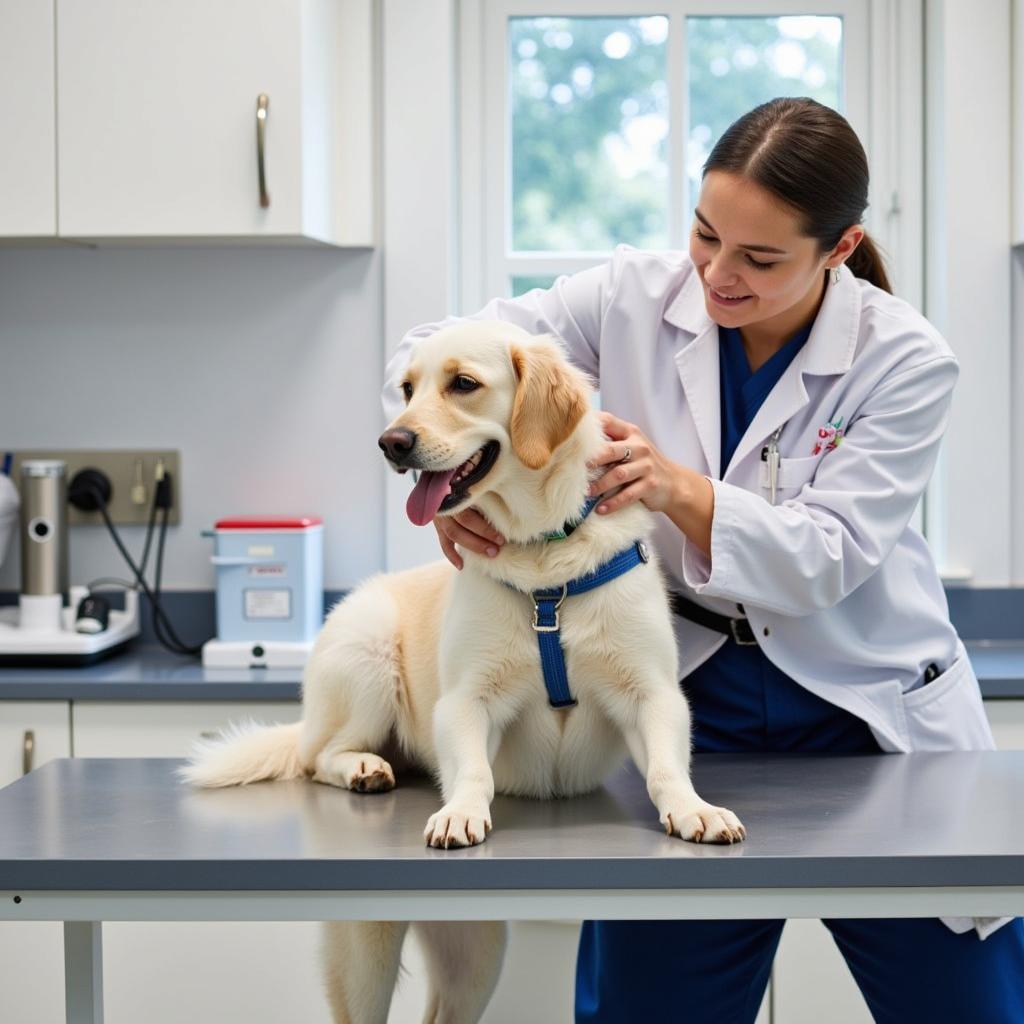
[
  {"x": 261, "y": 550},
  {"x": 268, "y": 604},
  {"x": 267, "y": 570}
]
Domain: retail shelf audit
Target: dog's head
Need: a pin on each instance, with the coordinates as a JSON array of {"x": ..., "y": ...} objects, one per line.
[{"x": 486, "y": 403}]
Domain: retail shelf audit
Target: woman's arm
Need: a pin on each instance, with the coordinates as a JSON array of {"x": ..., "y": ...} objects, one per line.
[{"x": 811, "y": 551}]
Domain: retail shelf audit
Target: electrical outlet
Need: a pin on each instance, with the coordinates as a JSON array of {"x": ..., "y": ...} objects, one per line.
[{"x": 132, "y": 474}]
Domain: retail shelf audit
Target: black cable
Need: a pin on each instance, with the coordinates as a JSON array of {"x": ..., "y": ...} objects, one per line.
[
  {"x": 174, "y": 644},
  {"x": 157, "y": 583},
  {"x": 149, "y": 530},
  {"x": 162, "y": 497},
  {"x": 160, "y": 620}
]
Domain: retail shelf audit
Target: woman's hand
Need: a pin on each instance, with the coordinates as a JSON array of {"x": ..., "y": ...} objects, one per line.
[
  {"x": 645, "y": 476},
  {"x": 469, "y": 529},
  {"x": 684, "y": 495}
]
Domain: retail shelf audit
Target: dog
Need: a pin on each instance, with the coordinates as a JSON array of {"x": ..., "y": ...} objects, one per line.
[{"x": 444, "y": 667}]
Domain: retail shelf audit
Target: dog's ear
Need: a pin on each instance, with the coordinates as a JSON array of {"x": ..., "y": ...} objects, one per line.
[{"x": 550, "y": 401}]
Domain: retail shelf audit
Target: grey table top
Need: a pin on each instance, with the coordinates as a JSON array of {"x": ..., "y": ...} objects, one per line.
[
  {"x": 94, "y": 825},
  {"x": 150, "y": 673}
]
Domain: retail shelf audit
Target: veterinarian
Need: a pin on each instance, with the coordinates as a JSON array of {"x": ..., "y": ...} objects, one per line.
[{"x": 783, "y": 410}]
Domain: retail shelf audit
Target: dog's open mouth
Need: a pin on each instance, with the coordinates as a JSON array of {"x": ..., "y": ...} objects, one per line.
[{"x": 442, "y": 490}]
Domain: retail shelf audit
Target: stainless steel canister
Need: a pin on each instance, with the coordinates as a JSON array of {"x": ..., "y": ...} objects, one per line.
[{"x": 44, "y": 527}]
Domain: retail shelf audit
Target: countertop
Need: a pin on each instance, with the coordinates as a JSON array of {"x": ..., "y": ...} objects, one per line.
[{"x": 150, "y": 673}]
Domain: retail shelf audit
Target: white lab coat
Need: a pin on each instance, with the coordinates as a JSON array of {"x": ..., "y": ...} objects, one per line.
[{"x": 842, "y": 593}]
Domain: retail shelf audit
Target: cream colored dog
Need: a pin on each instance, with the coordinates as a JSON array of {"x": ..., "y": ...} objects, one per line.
[{"x": 444, "y": 665}]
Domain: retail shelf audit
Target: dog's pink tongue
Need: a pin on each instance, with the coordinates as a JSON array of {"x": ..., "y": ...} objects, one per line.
[{"x": 430, "y": 490}]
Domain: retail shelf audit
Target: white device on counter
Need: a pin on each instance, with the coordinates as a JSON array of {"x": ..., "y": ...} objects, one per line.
[
  {"x": 40, "y": 630},
  {"x": 270, "y": 597}
]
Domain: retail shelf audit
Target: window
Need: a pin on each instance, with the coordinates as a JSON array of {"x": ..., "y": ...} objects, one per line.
[{"x": 598, "y": 130}]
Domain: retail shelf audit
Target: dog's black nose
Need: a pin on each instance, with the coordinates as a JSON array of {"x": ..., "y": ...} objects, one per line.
[{"x": 398, "y": 444}]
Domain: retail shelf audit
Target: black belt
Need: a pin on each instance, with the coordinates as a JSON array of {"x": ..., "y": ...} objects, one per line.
[{"x": 738, "y": 629}]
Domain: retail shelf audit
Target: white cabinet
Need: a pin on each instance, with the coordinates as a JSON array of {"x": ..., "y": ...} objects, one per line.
[
  {"x": 155, "y": 107},
  {"x": 28, "y": 198},
  {"x": 159, "y": 729},
  {"x": 32, "y": 733},
  {"x": 204, "y": 972},
  {"x": 31, "y": 952},
  {"x": 1007, "y": 720}
]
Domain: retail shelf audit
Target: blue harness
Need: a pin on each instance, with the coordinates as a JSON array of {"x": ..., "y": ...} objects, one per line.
[{"x": 546, "y": 620}]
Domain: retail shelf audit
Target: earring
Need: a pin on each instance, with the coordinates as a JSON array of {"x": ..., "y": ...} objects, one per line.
[{"x": 835, "y": 275}]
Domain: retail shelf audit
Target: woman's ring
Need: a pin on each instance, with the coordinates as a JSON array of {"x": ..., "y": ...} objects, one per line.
[{"x": 627, "y": 455}]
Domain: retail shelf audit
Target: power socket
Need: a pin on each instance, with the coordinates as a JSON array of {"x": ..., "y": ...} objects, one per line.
[{"x": 132, "y": 474}]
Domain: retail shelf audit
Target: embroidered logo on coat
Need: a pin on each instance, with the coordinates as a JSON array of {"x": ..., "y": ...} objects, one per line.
[{"x": 829, "y": 436}]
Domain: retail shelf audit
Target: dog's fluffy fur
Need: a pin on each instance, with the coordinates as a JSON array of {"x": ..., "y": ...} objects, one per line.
[{"x": 444, "y": 667}]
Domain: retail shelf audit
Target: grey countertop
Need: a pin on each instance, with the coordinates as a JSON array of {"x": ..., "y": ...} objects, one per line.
[
  {"x": 150, "y": 673},
  {"x": 120, "y": 825}
]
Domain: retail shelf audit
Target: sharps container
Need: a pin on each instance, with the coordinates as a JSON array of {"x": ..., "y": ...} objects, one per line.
[{"x": 270, "y": 591}]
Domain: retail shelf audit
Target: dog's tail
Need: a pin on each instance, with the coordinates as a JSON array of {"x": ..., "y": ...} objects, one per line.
[{"x": 245, "y": 753}]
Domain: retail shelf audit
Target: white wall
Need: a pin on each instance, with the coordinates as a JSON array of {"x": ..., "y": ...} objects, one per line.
[
  {"x": 968, "y": 277},
  {"x": 262, "y": 365},
  {"x": 421, "y": 209}
]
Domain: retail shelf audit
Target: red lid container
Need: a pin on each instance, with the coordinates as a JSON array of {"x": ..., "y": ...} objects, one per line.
[{"x": 257, "y": 523}]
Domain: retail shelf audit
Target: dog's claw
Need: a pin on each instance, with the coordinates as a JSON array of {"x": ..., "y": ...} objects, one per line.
[
  {"x": 706, "y": 824},
  {"x": 450, "y": 829}
]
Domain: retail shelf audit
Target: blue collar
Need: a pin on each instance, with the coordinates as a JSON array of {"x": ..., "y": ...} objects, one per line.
[{"x": 546, "y": 620}]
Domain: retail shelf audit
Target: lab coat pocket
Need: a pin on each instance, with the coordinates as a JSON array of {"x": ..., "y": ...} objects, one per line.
[
  {"x": 948, "y": 714},
  {"x": 793, "y": 474}
]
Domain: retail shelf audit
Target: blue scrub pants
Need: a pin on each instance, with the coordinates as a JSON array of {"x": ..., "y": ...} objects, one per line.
[
  {"x": 913, "y": 970},
  {"x": 909, "y": 970}
]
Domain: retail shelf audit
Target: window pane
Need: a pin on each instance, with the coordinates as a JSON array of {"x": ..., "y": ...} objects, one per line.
[
  {"x": 735, "y": 64},
  {"x": 521, "y": 285},
  {"x": 589, "y": 133}
]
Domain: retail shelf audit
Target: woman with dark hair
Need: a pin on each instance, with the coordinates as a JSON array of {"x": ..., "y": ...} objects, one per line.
[{"x": 769, "y": 395}]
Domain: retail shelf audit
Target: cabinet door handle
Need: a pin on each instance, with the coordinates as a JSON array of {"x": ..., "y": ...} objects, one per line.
[
  {"x": 28, "y": 751},
  {"x": 262, "y": 106}
]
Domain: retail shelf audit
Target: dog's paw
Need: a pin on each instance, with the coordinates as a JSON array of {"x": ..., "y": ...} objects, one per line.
[
  {"x": 365, "y": 773},
  {"x": 704, "y": 823},
  {"x": 452, "y": 827}
]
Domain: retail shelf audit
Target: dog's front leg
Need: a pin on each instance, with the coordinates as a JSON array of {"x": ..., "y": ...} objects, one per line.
[
  {"x": 658, "y": 739},
  {"x": 465, "y": 738}
]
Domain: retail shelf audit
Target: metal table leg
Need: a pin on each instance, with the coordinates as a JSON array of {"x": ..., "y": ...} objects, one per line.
[{"x": 83, "y": 972}]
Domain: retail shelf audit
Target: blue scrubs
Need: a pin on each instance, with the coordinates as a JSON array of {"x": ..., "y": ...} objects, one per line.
[
  {"x": 908, "y": 970},
  {"x": 740, "y": 700}
]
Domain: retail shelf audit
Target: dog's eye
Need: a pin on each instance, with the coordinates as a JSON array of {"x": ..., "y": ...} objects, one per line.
[
  {"x": 464, "y": 383},
  {"x": 407, "y": 389}
]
